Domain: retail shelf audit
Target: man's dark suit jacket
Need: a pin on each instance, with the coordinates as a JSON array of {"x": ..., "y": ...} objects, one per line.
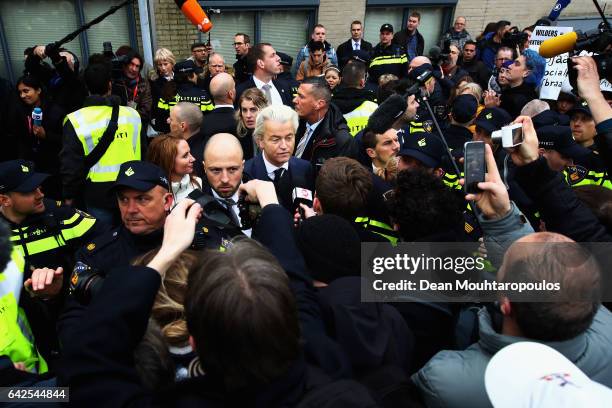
[
  {"x": 301, "y": 174},
  {"x": 283, "y": 89},
  {"x": 345, "y": 50}
]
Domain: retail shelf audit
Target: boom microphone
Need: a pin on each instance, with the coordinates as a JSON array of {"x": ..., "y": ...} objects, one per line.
[
  {"x": 192, "y": 10},
  {"x": 558, "y": 45}
]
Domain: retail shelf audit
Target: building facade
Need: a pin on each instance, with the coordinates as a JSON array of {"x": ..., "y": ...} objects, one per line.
[{"x": 285, "y": 24}]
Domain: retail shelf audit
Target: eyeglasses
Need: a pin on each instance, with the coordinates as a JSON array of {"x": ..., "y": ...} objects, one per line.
[{"x": 200, "y": 50}]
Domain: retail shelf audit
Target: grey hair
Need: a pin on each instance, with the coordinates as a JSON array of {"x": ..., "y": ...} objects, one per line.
[
  {"x": 190, "y": 113},
  {"x": 276, "y": 113},
  {"x": 534, "y": 108}
]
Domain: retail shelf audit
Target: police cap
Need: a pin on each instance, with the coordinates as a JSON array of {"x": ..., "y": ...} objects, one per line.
[
  {"x": 492, "y": 119},
  {"x": 560, "y": 138},
  {"x": 425, "y": 147},
  {"x": 141, "y": 176},
  {"x": 19, "y": 176},
  {"x": 187, "y": 67}
]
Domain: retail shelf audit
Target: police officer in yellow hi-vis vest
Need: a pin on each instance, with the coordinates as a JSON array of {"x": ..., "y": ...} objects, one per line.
[
  {"x": 355, "y": 102},
  {"x": 97, "y": 140}
]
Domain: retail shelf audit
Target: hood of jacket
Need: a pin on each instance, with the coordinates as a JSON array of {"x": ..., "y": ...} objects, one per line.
[{"x": 348, "y": 99}]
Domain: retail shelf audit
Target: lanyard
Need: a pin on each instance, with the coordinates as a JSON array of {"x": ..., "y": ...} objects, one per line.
[{"x": 136, "y": 88}]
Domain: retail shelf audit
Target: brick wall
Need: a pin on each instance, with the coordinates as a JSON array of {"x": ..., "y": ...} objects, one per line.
[
  {"x": 173, "y": 30},
  {"x": 520, "y": 12},
  {"x": 337, "y": 15}
]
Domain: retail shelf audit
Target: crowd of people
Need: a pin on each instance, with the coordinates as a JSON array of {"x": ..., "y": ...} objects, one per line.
[{"x": 193, "y": 235}]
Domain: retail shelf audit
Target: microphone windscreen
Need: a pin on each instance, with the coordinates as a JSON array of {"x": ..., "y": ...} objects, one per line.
[
  {"x": 193, "y": 11},
  {"x": 558, "y": 45},
  {"x": 387, "y": 113}
]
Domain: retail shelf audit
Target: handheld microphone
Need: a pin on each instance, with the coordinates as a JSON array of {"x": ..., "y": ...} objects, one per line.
[
  {"x": 299, "y": 196},
  {"x": 192, "y": 10},
  {"x": 558, "y": 45}
]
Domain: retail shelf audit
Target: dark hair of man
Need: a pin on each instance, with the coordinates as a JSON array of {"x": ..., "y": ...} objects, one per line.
[
  {"x": 424, "y": 206},
  {"x": 501, "y": 24},
  {"x": 416, "y": 14},
  {"x": 353, "y": 73},
  {"x": 385, "y": 91},
  {"x": 369, "y": 140},
  {"x": 504, "y": 48},
  {"x": 343, "y": 186},
  {"x": 131, "y": 55},
  {"x": 599, "y": 200},
  {"x": 256, "y": 53},
  {"x": 242, "y": 315},
  {"x": 558, "y": 315},
  {"x": 97, "y": 77},
  {"x": 356, "y": 22},
  {"x": 320, "y": 89},
  {"x": 246, "y": 38},
  {"x": 316, "y": 46},
  {"x": 197, "y": 45},
  {"x": 470, "y": 42}
]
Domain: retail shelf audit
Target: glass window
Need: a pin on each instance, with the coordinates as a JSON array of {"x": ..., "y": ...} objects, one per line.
[
  {"x": 114, "y": 28},
  {"x": 287, "y": 31},
  {"x": 376, "y": 17},
  {"x": 226, "y": 25},
  {"x": 28, "y": 23},
  {"x": 430, "y": 25}
]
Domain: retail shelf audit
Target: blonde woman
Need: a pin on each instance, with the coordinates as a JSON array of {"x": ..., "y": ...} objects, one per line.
[
  {"x": 251, "y": 102},
  {"x": 164, "y": 72}
]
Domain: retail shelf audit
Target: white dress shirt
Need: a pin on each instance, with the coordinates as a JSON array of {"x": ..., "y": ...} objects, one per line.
[
  {"x": 270, "y": 168},
  {"x": 276, "y": 97}
]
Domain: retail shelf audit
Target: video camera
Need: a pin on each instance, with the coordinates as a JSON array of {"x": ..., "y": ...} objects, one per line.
[
  {"x": 514, "y": 38},
  {"x": 440, "y": 56},
  {"x": 116, "y": 62},
  {"x": 596, "y": 41}
]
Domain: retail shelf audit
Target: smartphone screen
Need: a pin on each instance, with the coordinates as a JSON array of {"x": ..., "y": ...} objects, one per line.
[
  {"x": 517, "y": 136},
  {"x": 473, "y": 166}
]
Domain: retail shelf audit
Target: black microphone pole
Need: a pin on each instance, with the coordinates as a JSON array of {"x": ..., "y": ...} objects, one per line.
[{"x": 86, "y": 26}]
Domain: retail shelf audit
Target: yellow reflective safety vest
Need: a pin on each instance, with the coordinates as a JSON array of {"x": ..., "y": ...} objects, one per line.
[
  {"x": 16, "y": 339},
  {"x": 89, "y": 124},
  {"x": 357, "y": 119}
]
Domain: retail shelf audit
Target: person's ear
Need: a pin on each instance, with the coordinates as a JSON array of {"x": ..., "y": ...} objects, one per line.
[
  {"x": 395, "y": 227},
  {"x": 260, "y": 64},
  {"x": 168, "y": 200},
  {"x": 438, "y": 172},
  {"x": 316, "y": 205},
  {"x": 371, "y": 152},
  {"x": 541, "y": 151},
  {"x": 5, "y": 200},
  {"x": 505, "y": 306},
  {"x": 192, "y": 343}
]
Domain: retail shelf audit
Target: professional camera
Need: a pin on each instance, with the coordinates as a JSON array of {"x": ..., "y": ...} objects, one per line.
[
  {"x": 215, "y": 229},
  {"x": 249, "y": 212},
  {"x": 597, "y": 41},
  {"x": 117, "y": 62},
  {"x": 514, "y": 38},
  {"x": 440, "y": 56},
  {"x": 85, "y": 283}
]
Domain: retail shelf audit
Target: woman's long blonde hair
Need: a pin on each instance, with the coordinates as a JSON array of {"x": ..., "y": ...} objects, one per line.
[
  {"x": 168, "y": 310},
  {"x": 258, "y": 98}
]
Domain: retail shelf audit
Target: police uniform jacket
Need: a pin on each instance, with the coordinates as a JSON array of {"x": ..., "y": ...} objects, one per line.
[
  {"x": 118, "y": 247},
  {"x": 388, "y": 60}
]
